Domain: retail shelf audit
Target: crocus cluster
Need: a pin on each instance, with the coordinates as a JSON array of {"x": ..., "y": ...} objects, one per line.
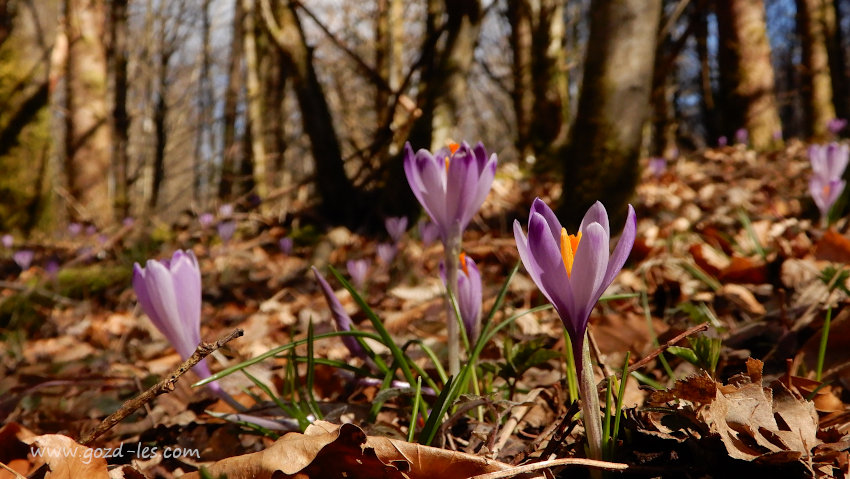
[
  {"x": 826, "y": 184},
  {"x": 451, "y": 186},
  {"x": 169, "y": 292}
]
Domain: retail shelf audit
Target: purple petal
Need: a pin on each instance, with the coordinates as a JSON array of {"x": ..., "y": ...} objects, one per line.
[
  {"x": 540, "y": 207},
  {"x": 469, "y": 297},
  {"x": 591, "y": 262},
  {"x": 553, "y": 280},
  {"x": 341, "y": 318},
  {"x": 596, "y": 214},
  {"x": 622, "y": 250},
  {"x": 396, "y": 226}
]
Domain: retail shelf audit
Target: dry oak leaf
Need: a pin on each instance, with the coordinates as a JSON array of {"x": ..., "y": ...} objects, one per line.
[
  {"x": 330, "y": 450},
  {"x": 67, "y": 459}
]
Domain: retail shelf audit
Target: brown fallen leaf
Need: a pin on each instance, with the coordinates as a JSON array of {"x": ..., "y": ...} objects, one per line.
[
  {"x": 330, "y": 450},
  {"x": 67, "y": 459},
  {"x": 833, "y": 246}
]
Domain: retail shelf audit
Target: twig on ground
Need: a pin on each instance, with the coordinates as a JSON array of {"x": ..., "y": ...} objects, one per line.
[
  {"x": 589, "y": 463},
  {"x": 165, "y": 386},
  {"x": 660, "y": 349}
]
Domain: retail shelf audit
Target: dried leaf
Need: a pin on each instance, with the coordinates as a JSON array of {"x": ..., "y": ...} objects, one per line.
[{"x": 329, "y": 450}]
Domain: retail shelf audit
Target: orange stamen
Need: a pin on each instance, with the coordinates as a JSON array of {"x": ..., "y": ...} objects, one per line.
[
  {"x": 463, "y": 263},
  {"x": 826, "y": 191},
  {"x": 569, "y": 245},
  {"x": 453, "y": 147}
]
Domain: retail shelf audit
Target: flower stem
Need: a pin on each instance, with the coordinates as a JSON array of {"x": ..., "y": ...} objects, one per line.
[
  {"x": 590, "y": 403},
  {"x": 452, "y": 250}
]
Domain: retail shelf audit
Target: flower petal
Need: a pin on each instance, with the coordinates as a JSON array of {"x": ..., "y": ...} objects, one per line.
[
  {"x": 591, "y": 262},
  {"x": 596, "y": 214},
  {"x": 621, "y": 251},
  {"x": 552, "y": 279},
  {"x": 538, "y": 206}
]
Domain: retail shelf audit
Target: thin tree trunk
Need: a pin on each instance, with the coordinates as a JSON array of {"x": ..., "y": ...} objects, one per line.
[
  {"x": 231, "y": 114},
  {"x": 203, "y": 135},
  {"x": 837, "y": 59},
  {"x": 522, "y": 94},
  {"x": 254, "y": 101},
  {"x": 117, "y": 55},
  {"x": 817, "y": 81},
  {"x": 601, "y": 161},
  {"x": 707, "y": 103},
  {"x": 87, "y": 157}
]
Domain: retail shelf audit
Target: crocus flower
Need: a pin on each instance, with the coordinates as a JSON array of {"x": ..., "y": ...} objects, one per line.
[
  {"x": 8, "y": 241},
  {"x": 226, "y": 229},
  {"x": 428, "y": 231},
  {"x": 358, "y": 269},
  {"x": 742, "y": 136},
  {"x": 573, "y": 271},
  {"x": 722, "y": 141},
  {"x": 169, "y": 292},
  {"x": 74, "y": 229},
  {"x": 468, "y": 295},
  {"x": 828, "y": 165},
  {"x": 225, "y": 210},
  {"x": 396, "y": 226},
  {"x": 206, "y": 220},
  {"x": 91, "y": 230},
  {"x": 128, "y": 221},
  {"x": 286, "y": 245},
  {"x": 451, "y": 184},
  {"x": 657, "y": 166},
  {"x": 23, "y": 258},
  {"x": 341, "y": 318},
  {"x": 835, "y": 125},
  {"x": 386, "y": 252}
]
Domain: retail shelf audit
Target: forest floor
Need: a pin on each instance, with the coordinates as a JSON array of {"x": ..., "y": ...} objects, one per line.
[{"x": 725, "y": 237}]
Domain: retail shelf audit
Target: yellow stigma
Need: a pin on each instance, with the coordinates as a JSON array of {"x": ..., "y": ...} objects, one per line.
[
  {"x": 463, "y": 263},
  {"x": 569, "y": 245},
  {"x": 452, "y": 149}
]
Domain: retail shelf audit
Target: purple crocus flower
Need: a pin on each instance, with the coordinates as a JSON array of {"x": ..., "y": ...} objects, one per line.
[
  {"x": 828, "y": 165},
  {"x": 226, "y": 229},
  {"x": 341, "y": 318},
  {"x": 386, "y": 252},
  {"x": 469, "y": 295},
  {"x": 23, "y": 258},
  {"x": 286, "y": 245},
  {"x": 225, "y": 210},
  {"x": 169, "y": 292},
  {"x": 206, "y": 220},
  {"x": 573, "y": 271},
  {"x": 8, "y": 240},
  {"x": 657, "y": 166},
  {"x": 428, "y": 231},
  {"x": 835, "y": 125},
  {"x": 358, "y": 269},
  {"x": 75, "y": 229},
  {"x": 396, "y": 226},
  {"x": 128, "y": 221},
  {"x": 722, "y": 141},
  {"x": 91, "y": 230},
  {"x": 451, "y": 184},
  {"x": 742, "y": 136}
]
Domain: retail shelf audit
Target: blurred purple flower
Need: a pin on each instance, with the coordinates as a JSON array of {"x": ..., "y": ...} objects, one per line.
[
  {"x": 396, "y": 226},
  {"x": 573, "y": 271},
  {"x": 226, "y": 229},
  {"x": 742, "y": 136},
  {"x": 386, "y": 252},
  {"x": 828, "y": 165},
  {"x": 428, "y": 231},
  {"x": 358, "y": 269},
  {"x": 128, "y": 221},
  {"x": 657, "y": 166},
  {"x": 286, "y": 245},
  {"x": 8, "y": 241},
  {"x": 722, "y": 141},
  {"x": 341, "y": 318},
  {"x": 206, "y": 220},
  {"x": 835, "y": 125},
  {"x": 777, "y": 135},
  {"x": 52, "y": 267},
  {"x": 225, "y": 210},
  {"x": 169, "y": 292},
  {"x": 23, "y": 258},
  {"x": 451, "y": 184},
  {"x": 469, "y": 295},
  {"x": 75, "y": 229},
  {"x": 91, "y": 230}
]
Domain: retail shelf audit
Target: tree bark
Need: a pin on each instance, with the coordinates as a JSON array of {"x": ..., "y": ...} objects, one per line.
[
  {"x": 230, "y": 151},
  {"x": 837, "y": 59},
  {"x": 601, "y": 161},
  {"x": 117, "y": 55},
  {"x": 817, "y": 80},
  {"x": 87, "y": 145},
  {"x": 254, "y": 101},
  {"x": 746, "y": 74}
]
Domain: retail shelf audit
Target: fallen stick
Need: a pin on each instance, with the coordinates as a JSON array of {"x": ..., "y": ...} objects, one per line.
[
  {"x": 660, "y": 349},
  {"x": 165, "y": 386}
]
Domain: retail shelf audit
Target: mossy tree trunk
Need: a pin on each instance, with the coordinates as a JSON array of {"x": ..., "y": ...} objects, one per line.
[
  {"x": 746, "y": 74},
  {"x": 817, "y": 80},
  {"x": 87, "y": 143},
  {"x": 601, "y": 161}
]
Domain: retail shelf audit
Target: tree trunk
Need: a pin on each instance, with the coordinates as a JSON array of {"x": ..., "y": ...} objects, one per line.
[
  {"x": 817, "y": 82},
  {"x": 273, "y": 87},
  {"x": 87, "y": 145},
  {"x": 339, "y": 203},
  {"x": 231, "y": 102},
  {"x": 522, "y": 94},
  {"x": 601, "y": 161},
  {"x": 837, "y": 59},
  {"x": 747, "y": 80},
  {"x": 117, "y": 54},
  {"x": 254, "y": 101},
  {"x": 204, "y": 144},
  {"x": 711, "y": 121}
]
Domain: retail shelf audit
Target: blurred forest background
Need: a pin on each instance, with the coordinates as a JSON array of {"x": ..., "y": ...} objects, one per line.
[{"x": 152, "y": 108}]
